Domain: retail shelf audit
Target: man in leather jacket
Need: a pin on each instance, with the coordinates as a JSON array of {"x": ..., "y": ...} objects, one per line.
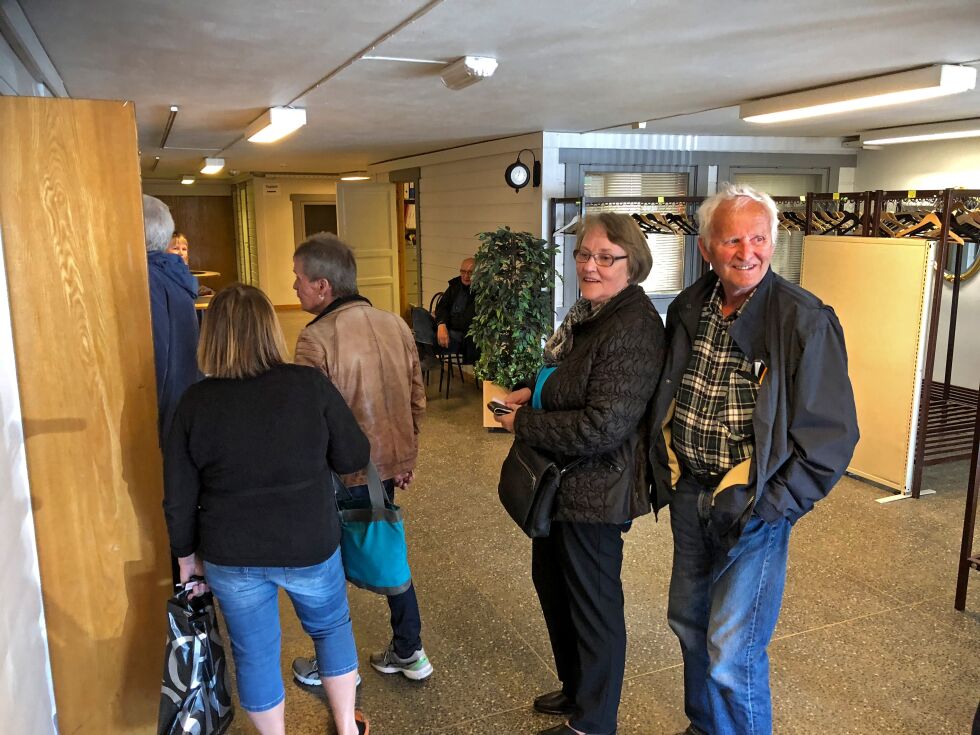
[{"x": 754, "y": 421}]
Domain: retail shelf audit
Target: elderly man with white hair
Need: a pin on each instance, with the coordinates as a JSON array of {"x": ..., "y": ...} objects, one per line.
[
  {"x": 758, "y": 423},
  {"x": 172, "y": 293}
]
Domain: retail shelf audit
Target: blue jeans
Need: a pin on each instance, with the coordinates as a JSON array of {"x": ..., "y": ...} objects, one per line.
[
  {"x": 723, "y": 608},
  {"x": 406, "y": 621},
  {"x": 249, "y": 600}
]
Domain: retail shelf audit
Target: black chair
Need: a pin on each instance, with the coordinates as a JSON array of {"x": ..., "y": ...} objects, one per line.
[
  {"x": 447, "y": 359},
  {"x": 424, "y": 328}
]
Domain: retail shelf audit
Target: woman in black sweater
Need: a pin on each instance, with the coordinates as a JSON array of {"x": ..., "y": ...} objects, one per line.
[
  {"x": 249, "y": 502},
  {"x": 584, "y": 411}
]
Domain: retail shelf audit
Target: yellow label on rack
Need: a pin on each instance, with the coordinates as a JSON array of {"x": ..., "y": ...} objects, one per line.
[
  {"x": 660, "y": 200},
  {"x": 911, "y": 193},
  {"x": 836, "y": 196}
]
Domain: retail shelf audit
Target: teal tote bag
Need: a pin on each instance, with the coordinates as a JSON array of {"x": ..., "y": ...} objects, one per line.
[{"x": 372, "y": 540}]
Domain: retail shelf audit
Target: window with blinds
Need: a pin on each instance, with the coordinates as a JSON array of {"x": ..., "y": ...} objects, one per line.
[
  {"x": 243, "y": 209},
  {"x": 667, "y": 275}
]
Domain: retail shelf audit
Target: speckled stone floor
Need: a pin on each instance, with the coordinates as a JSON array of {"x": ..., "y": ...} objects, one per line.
[{"x": 868, "y": 641}]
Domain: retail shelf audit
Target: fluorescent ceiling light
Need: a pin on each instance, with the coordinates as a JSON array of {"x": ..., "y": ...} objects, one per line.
[
  {"x": 920, "y": 133},
  {"x": 891, "y": 89},
  {"x": 354, "y": 177},
  {"x": 275, "y": 123},
  {"x": 405, "y": 59},
  {"x": 212, "y": 165},
  {"x": 468, "y": 70},
  {"x": 187, "y": 179}
]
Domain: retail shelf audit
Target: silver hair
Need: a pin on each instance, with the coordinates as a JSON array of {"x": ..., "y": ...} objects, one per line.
[
  {"x": 739, "y": 195},
  {"x": 158, "y": 224},
  {"x": 324, "y": 255}
]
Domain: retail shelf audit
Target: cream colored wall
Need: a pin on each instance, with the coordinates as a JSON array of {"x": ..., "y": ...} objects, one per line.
[
  {"x": 26, "y": 695},
  {"x": 274, "y": 232},
  {"x": 459, "y": 199},
  {"x": 936, "y": 165}
]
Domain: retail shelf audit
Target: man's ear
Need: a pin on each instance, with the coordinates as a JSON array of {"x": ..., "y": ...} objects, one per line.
[{"x": 702, "y": 248}]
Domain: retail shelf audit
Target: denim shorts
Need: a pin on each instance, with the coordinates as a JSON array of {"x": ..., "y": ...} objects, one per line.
[{"x": 249, "y": 601}]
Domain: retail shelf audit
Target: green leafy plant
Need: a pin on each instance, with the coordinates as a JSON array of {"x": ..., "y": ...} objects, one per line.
[{"x": 512, "y": 293}]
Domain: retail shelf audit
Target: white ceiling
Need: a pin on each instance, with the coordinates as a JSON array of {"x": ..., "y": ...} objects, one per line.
[{"x": 564, "y": 66}]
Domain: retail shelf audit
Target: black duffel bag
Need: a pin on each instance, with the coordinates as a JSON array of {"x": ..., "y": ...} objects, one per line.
[{"x": 528, "y": 488}]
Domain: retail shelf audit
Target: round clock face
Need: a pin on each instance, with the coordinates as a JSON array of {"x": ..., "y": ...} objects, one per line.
[{"x": 517, "y": 175}]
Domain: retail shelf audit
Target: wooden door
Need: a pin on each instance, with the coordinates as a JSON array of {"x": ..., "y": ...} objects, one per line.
[
  {"x": 72, "y": 228},
  {"x": 367, "y": 221},
  {"x": 209, "y": 224}
]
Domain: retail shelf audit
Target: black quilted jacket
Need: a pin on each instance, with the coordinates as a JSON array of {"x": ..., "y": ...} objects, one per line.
[{"x": 593, "y": 404}]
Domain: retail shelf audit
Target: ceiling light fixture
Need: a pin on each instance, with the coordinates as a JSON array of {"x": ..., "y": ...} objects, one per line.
[
  {"x": 212, "y": 166},
  {"x": 187, "y": 179},
  {"x": 642, "y": 125},
  {"x": 468, "y": 70},
  {"x": 920, "y": 133},
  {"x": 354, "y": 176},
  {"x": 275, "y": 123},
  {"x": 891, "y": 89},
  {"x": 170, "y": 123}
]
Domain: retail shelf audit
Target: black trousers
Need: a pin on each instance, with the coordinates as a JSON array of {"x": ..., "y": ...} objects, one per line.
[{"x": 577, "y": 575}]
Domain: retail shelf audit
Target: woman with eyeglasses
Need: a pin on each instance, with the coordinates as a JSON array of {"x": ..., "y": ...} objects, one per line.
[{"x": 585, "y": 410}]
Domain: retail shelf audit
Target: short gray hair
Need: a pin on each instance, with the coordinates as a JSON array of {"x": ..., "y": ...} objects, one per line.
[
  {"x": 739, "y": 195},
  {"x": 324, "y": 255},
  {"x": 158, "y": 225}
]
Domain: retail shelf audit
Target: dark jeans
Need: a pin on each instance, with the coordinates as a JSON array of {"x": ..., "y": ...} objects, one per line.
[
  {"x": 577, "y": 574},
  {"x": 723, "y": 607},
  {"x": 406, "y": 622}
]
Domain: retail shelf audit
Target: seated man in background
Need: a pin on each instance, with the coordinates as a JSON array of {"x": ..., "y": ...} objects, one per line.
[{"x": 454, "y": 312}]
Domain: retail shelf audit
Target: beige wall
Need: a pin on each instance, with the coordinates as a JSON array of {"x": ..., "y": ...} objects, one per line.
[
  {"x": 936, "y": 165},
  {"x": 459, "y": 199},
  {"x": 274, "y": 231}
]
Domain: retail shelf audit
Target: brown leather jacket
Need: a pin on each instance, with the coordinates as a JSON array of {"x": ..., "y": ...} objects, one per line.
[{"x": 370, "y": 356}]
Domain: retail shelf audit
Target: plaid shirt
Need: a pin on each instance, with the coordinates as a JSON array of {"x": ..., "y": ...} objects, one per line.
[{"x": 712, "y": 426}]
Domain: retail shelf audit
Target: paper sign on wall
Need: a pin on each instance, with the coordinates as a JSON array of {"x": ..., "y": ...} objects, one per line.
[{"x": 271, "y": 190}]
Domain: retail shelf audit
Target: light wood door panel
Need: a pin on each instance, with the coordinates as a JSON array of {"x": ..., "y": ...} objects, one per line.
[
  {"x": 367, "y": 222},
  {"x": 71, "y": 219}
]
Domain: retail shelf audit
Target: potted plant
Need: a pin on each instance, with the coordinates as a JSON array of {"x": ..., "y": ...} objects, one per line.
[{"x": 512, "y": 283}]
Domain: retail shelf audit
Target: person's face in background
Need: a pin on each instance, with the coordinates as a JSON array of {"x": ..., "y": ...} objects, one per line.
[
  {"x": 178, "y": 246},
  {"x": 466, "y": 271}
]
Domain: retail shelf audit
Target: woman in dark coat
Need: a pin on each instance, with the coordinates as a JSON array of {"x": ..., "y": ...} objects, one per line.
[{"x": 601, "y": 367}]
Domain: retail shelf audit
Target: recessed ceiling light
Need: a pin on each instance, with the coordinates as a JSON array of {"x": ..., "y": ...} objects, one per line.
[
  {"x": 187, "y": 179},
  {"x": 891, "y": 89},
  {"x": 921, "y": 133},
  {"x": 275, "y": 123}
]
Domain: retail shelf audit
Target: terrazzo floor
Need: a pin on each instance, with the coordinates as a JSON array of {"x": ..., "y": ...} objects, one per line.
[{"x": 868, "y": 640}]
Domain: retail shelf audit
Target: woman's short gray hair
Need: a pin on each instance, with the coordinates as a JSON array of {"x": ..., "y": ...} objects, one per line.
[
  {"x": 324, "y": 255},
  {"x": 158, "y": 225},
  {"x": 739, "y": 195}
]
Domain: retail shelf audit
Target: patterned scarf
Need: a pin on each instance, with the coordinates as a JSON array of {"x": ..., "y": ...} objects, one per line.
[{"x": 560, "y": 343}]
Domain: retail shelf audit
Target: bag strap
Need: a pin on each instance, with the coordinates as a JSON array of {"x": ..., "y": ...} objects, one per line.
[{"x": 375, "y": 489}]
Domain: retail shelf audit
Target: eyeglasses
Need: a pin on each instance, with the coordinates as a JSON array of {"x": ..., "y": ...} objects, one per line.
[{"x": 601, "y": 259}]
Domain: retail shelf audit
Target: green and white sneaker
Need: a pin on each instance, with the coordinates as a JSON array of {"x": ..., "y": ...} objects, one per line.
[{"x": 416, "y": 667}]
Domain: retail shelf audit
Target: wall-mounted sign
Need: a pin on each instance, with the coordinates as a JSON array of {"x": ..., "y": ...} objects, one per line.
[{"x": 272, "y": 190}]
